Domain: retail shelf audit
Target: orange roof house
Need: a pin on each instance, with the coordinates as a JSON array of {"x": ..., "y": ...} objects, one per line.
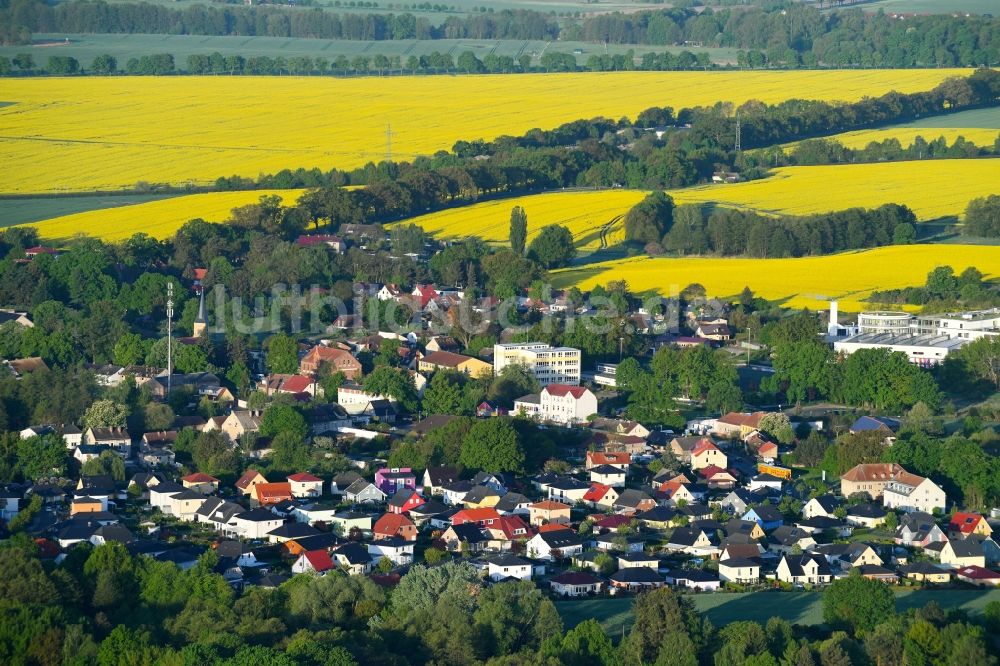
[
  {"x": 614, "y": 458},
  {"x": 272, "y": 493},
  {"x": 245, "y": 484},
  {"x": 395, "y": 524}
]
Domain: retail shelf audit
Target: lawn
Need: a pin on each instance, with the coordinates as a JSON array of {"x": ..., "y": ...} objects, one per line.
[
  {"x": 32, "y": 209},
  {"x": 804, "y": 608},
  {"x": 92, "y": 133},
  {"x": 803, "y": 282},
  {"x": 905, "y": 135}
]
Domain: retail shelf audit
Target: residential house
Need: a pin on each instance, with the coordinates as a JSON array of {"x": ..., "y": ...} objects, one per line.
[
  {"x": 267, "y": 494},
  {"x": 741, "y": 570},
  {"x": 847, "y": 556},
  {"x": 436, "y": 477},
  {"x": 737, "y": 424},
  {"x": 600, "y": 496},
  {"x": 455, "y": 492},
  {"x": 568, "y": 489},
  {"x": 10, "y": 503},
  {"x": 548, "y": 511},
  {"x": 363, "y": 491},
  {"x": 239, "y": 423},
  {"x": 786, "y": 539},
  {"x": 695, "y": 579},
  {"x": 765, "y": 515},
  {"x": 718, "y": 478},
  {"x": 396, "y": 550},
  {"x": 117, "y": 439},
  {"x": 735, "y": 551},
  {"x": 876, "y": 572},
  {"x": 804, "y": 569},
  {"x": 706, "y": 453},
  {"x": 559, "y": 403},
  {"x": 156, "y": 448},
  {"x": 250, "y": 480},
  {"x": 345, "y": 522},
  {"x": 305, "y": 485},
  {"x": 866, "y": 515},
  {"x": 291, "y": 532},
  {"x": 575, "y": 584},
  {"x": 619, "y": 459},
  {"x": 978, "y": 576},
  {"x": 636, "y": 579},
  {"x": 353, "y": 557},
  {"x": 692, "y": 541},
  {"x": 405, "y": 501},
  {"x": 341, "y": 482},
  {"x": 313, "y": 561},
  {"x": 918, "y": 529},
  {"x": 444, "y": 360},
  {"x": 633, "y": 501},
  {"x": 392, "y": 480},
  {"x": 713, "y": 330},
  {"x": 337, "y": 360},
  {"x": 508, "y": 566},
  {"x": 885, "y": 426},
  {"x": 765, "y": 481},
  {"x": 608, "y": 475},
  {"x": 481, "y": 496},
  {"x": 219, "y": 514},
  {"x": 682, "y": 447},
  {"x": 925, "y": 572},
  {"x": 395, "y": 525},
  {"x": 963, "y": 553},
  {"x": 619, "y": 426},
  {"x": 750, "y": 528},
  {"x": 443, "y": 343},
  {"x": 509, "y": 529},
  {"x": 467, "y": 536},
  {"x": 963, "y": 525},
  {"x": 314, "y": 513},
  {"x": 557, "y": 544},
  {"x": 824, "y": 505},
  {"x": 200, "y": 482}
]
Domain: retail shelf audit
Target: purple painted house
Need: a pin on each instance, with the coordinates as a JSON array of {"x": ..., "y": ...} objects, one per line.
[{"x": 391, "y": 481}]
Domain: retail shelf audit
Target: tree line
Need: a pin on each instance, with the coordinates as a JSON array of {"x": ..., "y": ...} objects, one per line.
[
  {"x": 695, "y": 229},
  {"x": 775, "y": 35},
  {"x": 435, "y": 62}
]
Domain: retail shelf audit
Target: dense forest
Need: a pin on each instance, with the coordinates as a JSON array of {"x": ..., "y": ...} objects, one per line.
[{"x": 782, "y": 35}]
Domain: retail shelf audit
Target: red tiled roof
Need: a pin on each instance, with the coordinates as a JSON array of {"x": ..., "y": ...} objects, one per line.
[
  {"x": 244, "y": 481},
  {"x": 596, "y": 492},
  {"x": 965, "y": 523},
  {"x": 319, "y": 560},
  {"x": 273, "y": 491},
  {"x": 200, "y": 477},
  {"x": 553, "y": 527},
  {"x": 391, "y": 523},
  {"x": 475, "y": 515},
  {"x": 302, "y": 477},
  {"x": 549, "y": 505},
  {"x": 563, "y": 389},
  {"x": 445, "y": 359},
  {"x": 704, "y": 445},
  {"x": 612, "y": 522},
  {"x": 609, "y": 457}
]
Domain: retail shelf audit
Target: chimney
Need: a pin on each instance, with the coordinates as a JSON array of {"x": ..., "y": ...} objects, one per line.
[{"x": 831, "y": 329}]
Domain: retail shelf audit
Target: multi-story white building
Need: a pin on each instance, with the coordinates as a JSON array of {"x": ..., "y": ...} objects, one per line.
[
  {"x": 923, "y": 350},
  {"x": 550, "y": 365},
  {"x": 559, "y": 403},
  {"x": 909, "y": 492}
]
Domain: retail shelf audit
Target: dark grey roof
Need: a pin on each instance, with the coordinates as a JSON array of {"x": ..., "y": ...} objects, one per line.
[
  {"x": 867, "y": 510},
  {"x": 293, "y": 531},
  {"x": 795, "y": 563},
  {"x": 258, "y": 515},
  {"x": 510, "y": 501},
  {"x": 561, "y": 539},
  {"x": 508, "y": 560},
  {"x": 636, "y": 575},
  {"x": 354, "y": 552},
  {"x": 694, "y": 575}
]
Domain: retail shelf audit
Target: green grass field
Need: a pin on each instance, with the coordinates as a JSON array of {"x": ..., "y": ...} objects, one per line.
[
  {"x": 804, "y": 608},
  {"x": 984, "y": 118},
  {"x": 933, "y": 6},
  {"x": 86, "y": 47},
  {"x": 32, "y": 209}
]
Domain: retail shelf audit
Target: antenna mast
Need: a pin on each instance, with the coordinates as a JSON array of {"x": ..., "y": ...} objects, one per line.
[
  {"x": 739, "y": 134},
  {"x": 170, "y": 318},
  {"x": 388, "y": 142}
]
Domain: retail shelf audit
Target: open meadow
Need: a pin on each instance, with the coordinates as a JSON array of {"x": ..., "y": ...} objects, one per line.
[
  {"x": 980, "y": 136},
  {"x": 89, "y": 133},
  {"x": 931, "y": 188},
  {"x": 159, "y": 219},
  {"x": 795, "y": 282}
]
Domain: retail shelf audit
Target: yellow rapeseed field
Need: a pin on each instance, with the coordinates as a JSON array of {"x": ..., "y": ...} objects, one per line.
[
  {"x": 905, "y": 135},
  {"x": 932, "y": 188},
  {"x": 584, "y": 213},
  {"x": 806, "y": 282},
  {"x": 90, "y": 133},
  {"x": 160, "y": 219}
]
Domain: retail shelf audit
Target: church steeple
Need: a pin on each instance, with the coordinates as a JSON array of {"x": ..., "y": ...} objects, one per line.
[{"x": 200, "y": 322}]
